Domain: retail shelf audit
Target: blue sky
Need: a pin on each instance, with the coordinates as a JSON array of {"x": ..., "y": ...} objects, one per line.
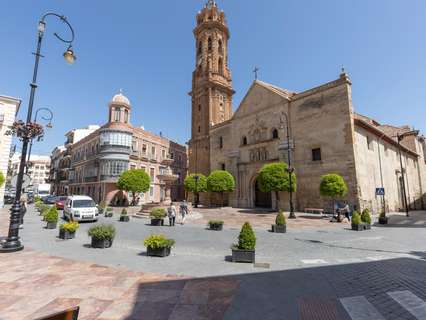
[{"x": 147, "y": 48}]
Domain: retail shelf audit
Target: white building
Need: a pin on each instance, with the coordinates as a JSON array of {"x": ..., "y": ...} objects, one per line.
[
  {"x": 38, "y": 170},
  {"x": 8, "y": 109}
]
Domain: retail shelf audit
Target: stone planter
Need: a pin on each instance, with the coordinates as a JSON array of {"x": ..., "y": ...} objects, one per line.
[
  {"x": 246, "y": 256},
  {"x": 51, "y": 225},
  {"x": 66, "y": 235},
  {"x": 101, "y": 243},
  {"x": 361, "y": 227},
  {"x": 157, "y": 222},
  {"x": 124, "y": 218},
  {"x": 367, "y": 226},
  {"x": 159, "y": 252},
  {"x": 216, "y": 227},
  {"x": 279, "y": 229},
  {"x": 383, "y": 220}
]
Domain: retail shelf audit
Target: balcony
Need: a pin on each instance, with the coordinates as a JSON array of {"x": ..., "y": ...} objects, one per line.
[
  {"x": 153, "y": 157},
  {"x": 167, "y": 161}
]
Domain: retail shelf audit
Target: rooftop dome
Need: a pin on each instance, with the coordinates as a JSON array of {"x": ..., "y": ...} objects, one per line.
[{"x": 120, "y": 99}]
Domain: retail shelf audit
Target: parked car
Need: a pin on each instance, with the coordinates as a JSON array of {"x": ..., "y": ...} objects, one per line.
[
  {"x": 49, "y": 199},
  {"x": 60, "y": 202},
  {"x": 80, "y": 208}
]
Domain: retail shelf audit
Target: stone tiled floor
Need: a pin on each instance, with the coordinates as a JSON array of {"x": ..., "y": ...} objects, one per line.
[{"x": 33, "y": 284}]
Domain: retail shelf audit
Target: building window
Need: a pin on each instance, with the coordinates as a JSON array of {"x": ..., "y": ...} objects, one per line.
[
  {"x": 275, "y": 134},
  {"x": 172, "y": 155},
  {"x": 199, "y": 129},
  {"x": 316, "y": 154},
  {"x": 152, "y": 174},
  {"x": 144, "y": 149},
  {"x": 200, "y": 48},
  {"x": 126, "y": 116},
  {"x": 117, "y": 114},
  {"x": 386, "y": 150},
  {"x": 220, "y": 142},
  {"x": 210, "y": 44},
  {"x": 153, "y": 151},
  {"x": 163, "y": 154},
  {"x": 151, "y": 192},
  {"x": 223, "y": 166},
  {"x": 199, "y": 107},
  {"x": 220, "y": 66},
  {"x": 244, "y": 142},
  {"x": 220, "y": 47}
]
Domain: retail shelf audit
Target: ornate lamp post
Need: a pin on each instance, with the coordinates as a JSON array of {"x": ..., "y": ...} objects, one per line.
[
  {"x": 29, "y": 130},
  {"x": 290, "y": 170},
  {"x": 197, "y": 199},
  {"x": 404, "y": 193},
  {"x": 48, "y": 125}
]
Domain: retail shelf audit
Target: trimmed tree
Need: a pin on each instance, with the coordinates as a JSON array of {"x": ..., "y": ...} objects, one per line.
[
  {"x": 334, "y": 186},
  {"x": 220, "y": 181},
  {"x": 134, "y": 181},
  {"x": 196, "y": 187},
  {"x": 2, "y": 179},
  {"x": 274, "y": 177}
]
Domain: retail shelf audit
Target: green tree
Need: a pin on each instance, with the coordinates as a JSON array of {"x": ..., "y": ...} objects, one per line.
[
  {"x": 196, "y": 187},
  {"x": 274, "y": 177},
  {"x": 2, "y": 179},
  {"x": 334, "y": 186},
  {"x": 247, "y": 238},
  {"x": 220, "y": 181},
  {"x": 134, "y": 181}
]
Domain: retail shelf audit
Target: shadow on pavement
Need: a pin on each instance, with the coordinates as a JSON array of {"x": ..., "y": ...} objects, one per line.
[{"x": 306, "y": 294}]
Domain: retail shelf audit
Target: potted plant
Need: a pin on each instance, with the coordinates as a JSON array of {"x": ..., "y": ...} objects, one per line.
[
  {"x": 157, "y": 216},
  {"x": 67, "y": 230},
  {"x": 366, "y": 219},
  {"x": 42, "y": 209},
  {"x": 158, "y": 245},
  {"x": 216, "y": 225},
  {"x": 383, "y": 219},
  {"x": 124, "y": 217},
  {"x": 52, "y": 217},
  {"x": 357, "y": 224},
  {"x": 244, "y": 251},
  {"x": 109, "y": 213},
  {"x": 280, "y": 225},
  {"x": 102, "y": 235}
]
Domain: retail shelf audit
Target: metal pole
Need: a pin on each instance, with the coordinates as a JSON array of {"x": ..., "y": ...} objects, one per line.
[
  {"x": 381, "y": 175},
  {"x": 290, "y": 170},
  {"x": 402, "y": 176}
]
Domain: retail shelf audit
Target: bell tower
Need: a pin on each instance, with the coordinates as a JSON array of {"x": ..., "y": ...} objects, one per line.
[{"x": 211, "y": 84}]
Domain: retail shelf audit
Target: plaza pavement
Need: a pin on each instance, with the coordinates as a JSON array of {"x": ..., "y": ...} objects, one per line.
[{"x": 305, "y": 274}]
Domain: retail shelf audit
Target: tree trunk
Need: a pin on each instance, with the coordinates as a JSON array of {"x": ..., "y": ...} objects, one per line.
[
  {"x": 222, "y": 198},
  {"x": 277, "y": 196}
]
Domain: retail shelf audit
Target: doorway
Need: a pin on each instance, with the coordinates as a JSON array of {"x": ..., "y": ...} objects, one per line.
[{"x": 262, "y": 199}]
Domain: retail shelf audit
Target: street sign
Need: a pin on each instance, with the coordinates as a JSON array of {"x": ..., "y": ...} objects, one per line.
[{"x": 380, "y": 191}]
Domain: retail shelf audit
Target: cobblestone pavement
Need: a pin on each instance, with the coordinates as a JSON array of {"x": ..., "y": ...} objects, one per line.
[{"x": 306, "y": 274}]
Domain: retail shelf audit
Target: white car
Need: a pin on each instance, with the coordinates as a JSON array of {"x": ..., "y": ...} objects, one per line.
[{"x": 80, "y": 208}]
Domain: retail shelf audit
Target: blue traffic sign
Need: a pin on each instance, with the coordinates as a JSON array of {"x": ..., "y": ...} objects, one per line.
[{"x": 380, "y": 191}]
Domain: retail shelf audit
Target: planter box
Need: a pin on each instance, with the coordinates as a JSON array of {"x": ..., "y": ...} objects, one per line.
[
  {"x": 247, "y": 256},
  {"x": 66, "y": 235},
  {"x": 383, "y": 220},
  {"x": 124, "y": 218},
  {"x": 160, "y": 252},
  {"x": 216, "y": 227},
  {"x": 51, "y": 225},
  {"x": 279, "y": 229},
  {"x": 101, "y": 243},
  {"x": 109, "y": 214},
  {"x": 157, "y": 222},
  {"x": 361, "y": 227}
]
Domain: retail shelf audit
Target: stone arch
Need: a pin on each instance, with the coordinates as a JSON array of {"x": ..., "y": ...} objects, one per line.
[
  {"x": 117, "y": 198},
  {"x": 259, "y": 199}
]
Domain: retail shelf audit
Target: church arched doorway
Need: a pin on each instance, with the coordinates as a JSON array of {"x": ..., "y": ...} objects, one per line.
[{"x": 261, "y": 199}]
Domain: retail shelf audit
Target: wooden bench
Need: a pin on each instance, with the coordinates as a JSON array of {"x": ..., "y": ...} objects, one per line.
[
  {"x": 70, "y": 314},
  {"x": 314, "y": 210}
]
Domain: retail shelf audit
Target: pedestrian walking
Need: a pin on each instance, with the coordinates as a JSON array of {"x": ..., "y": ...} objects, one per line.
[
  {"x": 183, "y": 211},
  {"x": 171, "y": 212}
]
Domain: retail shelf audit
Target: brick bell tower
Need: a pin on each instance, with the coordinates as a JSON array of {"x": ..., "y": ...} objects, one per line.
[{"x": 211, "y": 84}]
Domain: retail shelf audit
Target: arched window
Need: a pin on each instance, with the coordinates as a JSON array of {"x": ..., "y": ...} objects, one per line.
[
  {"x": 210, "y": 44},
  {"x": 275, "y": 134},
  {"x": 244, "y": 141},
  {"x": 200, "y": 48},
  {"x": 220, "y": 66},
  {"x": 126, "y": 115},
  {"x": 220, "y": 142},
  {"x": 220, "y": 47},
  {"x": 117, "y": 115},
  {"x": 199, "y": 107}
]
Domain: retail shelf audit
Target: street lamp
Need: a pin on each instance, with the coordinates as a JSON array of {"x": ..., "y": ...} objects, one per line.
[
  {"x": 197, "y": 199},
  {"x": 28, "y": 131},
  {"x": 381, "y": 173},
  {"x": 290, "y": 170},
  {"x": 404, "y": 193},
  {"x": 48, "y": 125}
]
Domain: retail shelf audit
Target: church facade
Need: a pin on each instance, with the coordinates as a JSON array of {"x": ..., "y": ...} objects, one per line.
[{"x": 326, "y": 135}]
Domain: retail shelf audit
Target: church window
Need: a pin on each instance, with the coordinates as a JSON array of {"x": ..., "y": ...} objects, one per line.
[
  {"x": 275, "y": 134},
  {"x": 220, "y": 47},
  {"x": 117, "y": 114},
  {"x": 200, "y": 48},
  {"x": 244, "y": 141},
  {"x": 220, "y": 66},
  {"x": 199, "y": 129},
  {"x": 223, "y": 166},
  {"x": 210, "y": 44},
  {"x": 220, "y": 142},
  {"x": 316, "y": 154},
  {"x": 126, "y": 115},
  {"x": 199, "y": 107}
]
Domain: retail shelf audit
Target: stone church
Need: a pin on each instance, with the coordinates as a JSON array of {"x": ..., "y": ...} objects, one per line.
[{"x": 326, "y": 135}]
